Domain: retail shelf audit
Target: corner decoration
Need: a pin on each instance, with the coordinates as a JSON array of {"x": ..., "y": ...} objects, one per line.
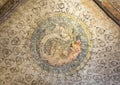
[
  {"x": 8, "y": 7},
  {"x": 61, "y": 44}
]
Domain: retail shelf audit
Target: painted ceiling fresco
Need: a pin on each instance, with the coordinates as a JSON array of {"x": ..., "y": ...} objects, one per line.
[{"x": 58, "y": 42}]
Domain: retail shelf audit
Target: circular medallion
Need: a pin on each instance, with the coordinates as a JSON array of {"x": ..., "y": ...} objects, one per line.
[{"x": 61, "y": 44}]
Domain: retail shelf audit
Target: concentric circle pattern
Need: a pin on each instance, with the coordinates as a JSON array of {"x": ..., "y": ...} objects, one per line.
[{"x": 60, "y": 44}]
